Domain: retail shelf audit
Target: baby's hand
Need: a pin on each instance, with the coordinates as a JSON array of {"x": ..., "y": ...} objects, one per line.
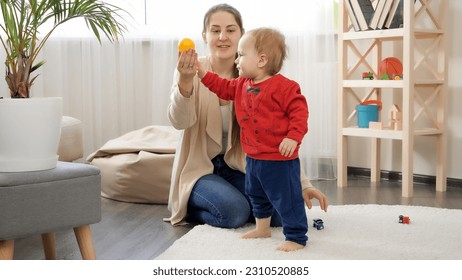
[
  {"x": 287, "y": 147},
  {"x": 200, "y": 71}
]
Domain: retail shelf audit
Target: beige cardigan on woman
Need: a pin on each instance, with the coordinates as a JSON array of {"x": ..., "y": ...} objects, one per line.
[{"x": 199, "y": 118}]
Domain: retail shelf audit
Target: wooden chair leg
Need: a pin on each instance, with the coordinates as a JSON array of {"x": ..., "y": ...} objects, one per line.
[
  {"x": 6, "y": 249},
  {"x": 85, "y": 241},
  {"x": 49, "y": 245}
]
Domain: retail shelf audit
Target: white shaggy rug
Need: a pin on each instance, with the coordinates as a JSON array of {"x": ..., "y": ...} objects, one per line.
[{"x": 352, "y": 232}]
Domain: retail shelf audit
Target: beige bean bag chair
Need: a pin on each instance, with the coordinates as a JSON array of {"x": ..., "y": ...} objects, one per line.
[{"x": 136, "y": 167}]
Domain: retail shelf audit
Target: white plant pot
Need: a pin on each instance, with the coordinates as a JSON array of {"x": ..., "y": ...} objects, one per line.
[{"x": 29, "y": 133}]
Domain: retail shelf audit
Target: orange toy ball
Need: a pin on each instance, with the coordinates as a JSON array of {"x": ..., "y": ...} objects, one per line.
[
  {"x": 186, "y": 44},
  {"x": 392, "y": 66}
]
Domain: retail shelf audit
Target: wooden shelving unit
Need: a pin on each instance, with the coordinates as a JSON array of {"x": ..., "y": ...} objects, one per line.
[{"x": 421, "y": 94}]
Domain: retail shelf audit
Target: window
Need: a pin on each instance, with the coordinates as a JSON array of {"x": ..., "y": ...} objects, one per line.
[{"x": 183, "y": 18}]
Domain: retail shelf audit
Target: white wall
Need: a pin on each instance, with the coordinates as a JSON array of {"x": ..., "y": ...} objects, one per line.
[
  {"x": 425, "y": 147},
  {"x": 455, "y": 90}
]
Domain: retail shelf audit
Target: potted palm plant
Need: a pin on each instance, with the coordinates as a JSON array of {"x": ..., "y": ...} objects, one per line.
[{"x": 25, "y": 27}]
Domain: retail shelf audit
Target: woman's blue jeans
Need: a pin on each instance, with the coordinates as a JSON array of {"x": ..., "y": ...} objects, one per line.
[{"x": 219, "y": 199}]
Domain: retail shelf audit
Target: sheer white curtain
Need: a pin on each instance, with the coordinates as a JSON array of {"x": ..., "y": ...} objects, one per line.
[{"x": 117, "y": 88}]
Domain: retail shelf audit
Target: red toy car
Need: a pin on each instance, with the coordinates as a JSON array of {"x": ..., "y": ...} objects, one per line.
[{"x": 404, "y": 219}]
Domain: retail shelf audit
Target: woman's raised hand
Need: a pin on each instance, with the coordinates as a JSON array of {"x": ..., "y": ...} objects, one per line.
[{"x": 187, "y": 63}]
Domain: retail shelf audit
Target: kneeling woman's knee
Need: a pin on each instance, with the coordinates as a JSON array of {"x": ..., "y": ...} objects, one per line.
[{"x": 237, "y": 216}]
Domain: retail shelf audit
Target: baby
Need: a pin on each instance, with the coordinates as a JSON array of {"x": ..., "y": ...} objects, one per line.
[{"x": 273, "y": 116}]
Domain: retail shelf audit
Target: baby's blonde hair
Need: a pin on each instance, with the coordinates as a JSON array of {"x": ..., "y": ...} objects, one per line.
[{"x": 272, "y": 43}]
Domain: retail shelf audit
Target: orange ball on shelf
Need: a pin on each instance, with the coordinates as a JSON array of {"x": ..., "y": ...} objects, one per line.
[
  {"x": 392, "y": 66},
  {"x": 186, "y": 44}
]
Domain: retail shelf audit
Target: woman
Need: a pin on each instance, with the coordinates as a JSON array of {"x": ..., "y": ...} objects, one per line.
[{"x": 208, "y": 181}]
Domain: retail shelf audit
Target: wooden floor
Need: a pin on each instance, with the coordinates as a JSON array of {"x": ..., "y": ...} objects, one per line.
[{"x": 136, "y": 231}]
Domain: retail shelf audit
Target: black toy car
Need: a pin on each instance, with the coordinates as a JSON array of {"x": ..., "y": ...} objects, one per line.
[{"x": 318, "y": 224}]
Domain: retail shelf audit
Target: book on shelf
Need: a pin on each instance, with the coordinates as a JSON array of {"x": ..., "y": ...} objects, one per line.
[
  {"x": 395, "y": 16},
  {"x": 377, "y": 14},
  {"x": 385, "y": 13},
  {"x": 352, "y": 16},
  {"x": 364, "y": 11}
]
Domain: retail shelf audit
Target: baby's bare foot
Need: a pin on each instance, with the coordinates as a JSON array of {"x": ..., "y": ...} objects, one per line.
[
  {"x": 289, "y": 246},
  {"x": 257, "y": 234}
]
